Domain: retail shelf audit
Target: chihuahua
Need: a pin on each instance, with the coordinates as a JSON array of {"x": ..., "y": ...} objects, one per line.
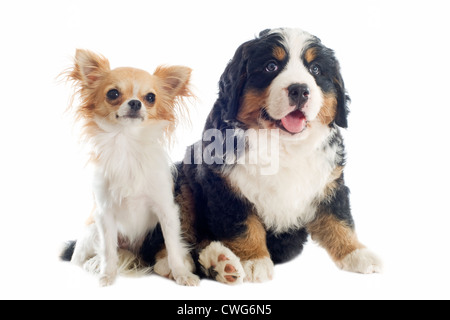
[{"x": 128, "y": 118}]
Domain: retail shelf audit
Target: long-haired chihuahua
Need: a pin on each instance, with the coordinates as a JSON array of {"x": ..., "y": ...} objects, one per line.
[{"x": 128, "y": 117}]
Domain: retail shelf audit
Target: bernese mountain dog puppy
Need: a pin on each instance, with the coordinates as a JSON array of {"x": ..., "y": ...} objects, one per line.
[{"x": 269, "y": 170}]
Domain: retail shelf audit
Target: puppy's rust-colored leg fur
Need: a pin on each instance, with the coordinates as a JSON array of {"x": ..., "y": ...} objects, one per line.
[
  {"x": 342, "y": 244},
  {"x": 333, "y": 228},
  {"x": 245, "y": 257},
  {"x": 252, "y": 249},
  {"x": 252, "y": 244},
  {"x": 232, "y": 261},
  {"x": 335, "y": 236}
]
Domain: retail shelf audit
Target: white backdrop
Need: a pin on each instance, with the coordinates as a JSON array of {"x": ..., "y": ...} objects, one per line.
[{"x": 395, "y": 62}]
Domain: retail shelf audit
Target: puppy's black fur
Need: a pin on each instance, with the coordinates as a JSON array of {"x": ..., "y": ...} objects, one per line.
[{"x": 222, "y": 211}]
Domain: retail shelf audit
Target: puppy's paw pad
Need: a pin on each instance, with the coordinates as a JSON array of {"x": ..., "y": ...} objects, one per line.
[
  {"x": 221, "y": 264},
  {"x": 222, "y": 258},
  {"x": 259, "y": 270},
  {"x": 361, "y": 261}
]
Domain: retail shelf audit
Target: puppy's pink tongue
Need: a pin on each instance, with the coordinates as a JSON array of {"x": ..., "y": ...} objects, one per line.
[{"x": 294, "y": 122}]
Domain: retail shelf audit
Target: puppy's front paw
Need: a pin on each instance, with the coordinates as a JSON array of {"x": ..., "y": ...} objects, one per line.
[
  {"x": 258, "y": 270},
  {"x": 221, "y": 264},
  {"x": 361, "y": 261}
]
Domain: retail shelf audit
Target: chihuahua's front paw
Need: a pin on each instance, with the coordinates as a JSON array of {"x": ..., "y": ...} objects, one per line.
[
  {"x": 108, "y": 274},
  {"x": 187, "y": 279},
  {"x": 107, "y": 280}
]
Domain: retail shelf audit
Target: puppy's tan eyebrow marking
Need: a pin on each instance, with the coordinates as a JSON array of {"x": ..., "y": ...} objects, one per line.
[
  {"x": 310, "y": 54},
  {"x": 279, "y": 53}
]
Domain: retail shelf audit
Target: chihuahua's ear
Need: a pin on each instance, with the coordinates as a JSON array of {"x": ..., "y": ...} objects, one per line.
[
  {"x": 90, "y": 67},
  {"x": 175, "y": 79}
]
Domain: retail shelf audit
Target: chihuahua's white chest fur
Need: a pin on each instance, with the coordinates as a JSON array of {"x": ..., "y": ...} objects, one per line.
[{"x": 132, "y": 175}]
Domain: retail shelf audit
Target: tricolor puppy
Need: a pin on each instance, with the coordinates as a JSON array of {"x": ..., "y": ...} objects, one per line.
[
  {"x": 241, "y": 220},
  {"x": 128, "y": 116}
]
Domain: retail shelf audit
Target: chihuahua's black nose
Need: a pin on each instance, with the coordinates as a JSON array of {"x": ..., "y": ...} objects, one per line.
[{"x": 135, "y": 105}]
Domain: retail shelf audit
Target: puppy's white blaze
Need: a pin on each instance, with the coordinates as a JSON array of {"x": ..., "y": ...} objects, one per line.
[{"x": 294, "y": 72}]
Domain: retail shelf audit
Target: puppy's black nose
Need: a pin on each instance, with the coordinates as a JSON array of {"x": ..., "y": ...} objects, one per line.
[
  {"x": 298, "y": 94},
  {"x": 135, "y": 105}
]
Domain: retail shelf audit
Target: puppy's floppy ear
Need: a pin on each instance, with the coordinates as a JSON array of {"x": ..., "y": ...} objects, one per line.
[
  {"x": 232, "y": 83},
  {"x": 175, "y": 79},
  {"x": 343, "y": 100},
  {"x": 89, "y": 67}
]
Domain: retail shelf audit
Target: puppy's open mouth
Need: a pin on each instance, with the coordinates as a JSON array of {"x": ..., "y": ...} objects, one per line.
[{"x": 294, "y": 123}]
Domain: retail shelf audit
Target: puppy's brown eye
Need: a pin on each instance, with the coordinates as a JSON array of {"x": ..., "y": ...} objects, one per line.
[
  {"x": 113, "y": 94},
  {"x": 150, "y": 97}
]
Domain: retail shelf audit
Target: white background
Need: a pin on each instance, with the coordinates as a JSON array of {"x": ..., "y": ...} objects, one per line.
[{"x": 395, "y": 61}]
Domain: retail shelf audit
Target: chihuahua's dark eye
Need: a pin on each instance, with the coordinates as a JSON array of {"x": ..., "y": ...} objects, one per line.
[
  {"x": 150, "y": 97},
  {"x": 113, "y": 94}
]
